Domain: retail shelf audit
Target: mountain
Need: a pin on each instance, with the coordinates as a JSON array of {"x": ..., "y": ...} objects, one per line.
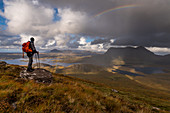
[
  {"x": 55, "y": 51},
  {"x": 81, "y": 52},
  {"x": 129, "y": 52},
  {"x": 128, "y": 55}
]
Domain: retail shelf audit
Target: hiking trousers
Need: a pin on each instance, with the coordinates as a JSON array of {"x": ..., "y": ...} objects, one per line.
[{"x": 30, "y": 56}]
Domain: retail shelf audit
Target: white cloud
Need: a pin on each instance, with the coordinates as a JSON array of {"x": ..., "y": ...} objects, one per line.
[
  {"x": 84, "y": 45},
  {"x": 82, "y": 41},
  {"x": 35, "y": 2},
  {"x": 159, "y": 51},
  {"x": 50, "y": 43},
  {"x": 38, "y": 39},
  {"x": 112, "y": 40},
  {"x": 8, "y": 47},
  {"x": 24, "y": 17},
  {"x": 17, "y": 42},
  {"x": 29, "y": 18},
  {"x": 72, "y": 21},
  {"x": 61, "y": 40},
  {"x": 94, "y": 47}
]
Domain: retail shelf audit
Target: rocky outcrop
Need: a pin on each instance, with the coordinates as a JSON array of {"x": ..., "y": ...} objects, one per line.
[
  {"x": 39, "y": 75},
  {"x": 2, "y": 63}
]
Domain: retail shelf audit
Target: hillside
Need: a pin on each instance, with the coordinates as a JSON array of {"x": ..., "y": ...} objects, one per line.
[
  {"x": 82, "y": 69},
  {"x": 65, "y": 94},
  {"x": 128, "y": 56}
]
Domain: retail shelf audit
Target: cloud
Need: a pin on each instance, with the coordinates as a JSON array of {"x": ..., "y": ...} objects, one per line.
[
  {"x": 72, "y": 22},
  {"x": 84, "y": 45},
  {"x": 131, "y": 26},
  {"x": 89, "y": 47},
  {"x": 144, "y": 25},
  {"x": 102, "y": 40},
  {"x": 50, "y": 43},
  {"x": 159, "y": 51},
  {"x": 147, "y": 40},
  {"x": 82, "y": 41},
  {"x": 35, "y": 2},
  {"x": 1, "y": 13},
  {"x": 8, "y": 40},
  {"x": 32, "y": 19},
  {"x": 25, "y": 17}
]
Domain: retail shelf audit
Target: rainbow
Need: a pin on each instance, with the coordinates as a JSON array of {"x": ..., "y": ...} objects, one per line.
[{"x": 116, "y": 8}]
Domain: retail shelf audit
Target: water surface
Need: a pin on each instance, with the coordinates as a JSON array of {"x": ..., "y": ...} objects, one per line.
[
  {"x": 24, "y": 61},
  {"x": 126, "y": 72},
  {"x": 149, "y": 70}
]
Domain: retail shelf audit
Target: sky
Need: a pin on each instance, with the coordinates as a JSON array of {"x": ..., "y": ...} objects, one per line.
[{"x": 85, "y": 24}]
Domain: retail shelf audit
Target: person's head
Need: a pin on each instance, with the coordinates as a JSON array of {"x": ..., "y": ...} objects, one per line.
[{"x": 32, "y": 39}]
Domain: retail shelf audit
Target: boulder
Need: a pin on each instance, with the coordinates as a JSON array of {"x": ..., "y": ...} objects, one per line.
[
  {"x": 39, "y": 75},
  {"x": 114, "y": 90},
  {"x": 3, "y": 64}
]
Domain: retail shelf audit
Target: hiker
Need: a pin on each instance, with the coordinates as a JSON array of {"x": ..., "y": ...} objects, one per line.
[{"x": 31, "y": 54}]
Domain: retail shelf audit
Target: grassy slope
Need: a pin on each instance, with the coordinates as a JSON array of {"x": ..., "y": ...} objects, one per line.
[
  {"x": 151, "y": 89},
  {"x": 66, "y": 94}
]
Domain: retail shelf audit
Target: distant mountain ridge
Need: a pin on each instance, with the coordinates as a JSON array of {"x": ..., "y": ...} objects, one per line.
[
  {"x": 84, "y": 52},
  {"x": 129, "y": 55},
  {"x": 55, "y": 51},
  {"x": 129, "y": 51}
]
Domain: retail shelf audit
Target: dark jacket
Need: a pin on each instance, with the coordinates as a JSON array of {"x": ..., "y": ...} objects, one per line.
[{"x": 32, "y": 47}]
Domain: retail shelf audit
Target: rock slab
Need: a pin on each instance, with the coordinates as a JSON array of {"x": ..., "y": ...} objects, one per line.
[
  {"x": 2, "y": 63},
  {"x": 39, "y": 75}
]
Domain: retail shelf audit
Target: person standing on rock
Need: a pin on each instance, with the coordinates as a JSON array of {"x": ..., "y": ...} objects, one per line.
[{"x": 31, "y": 54}]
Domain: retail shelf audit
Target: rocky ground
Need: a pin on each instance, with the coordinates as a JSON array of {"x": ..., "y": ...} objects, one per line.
[{"x": 39, "y": 75}]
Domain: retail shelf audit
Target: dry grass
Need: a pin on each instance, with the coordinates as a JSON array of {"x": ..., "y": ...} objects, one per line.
[{"x": 66, "y": 94}]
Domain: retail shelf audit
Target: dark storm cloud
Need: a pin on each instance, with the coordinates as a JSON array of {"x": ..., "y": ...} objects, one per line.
[
  {"x": 148, "y": 40},
  {"x": 100, "y": 41},
  {"x": 8, "y": 40},
  {"x": 147, "y": 25}
]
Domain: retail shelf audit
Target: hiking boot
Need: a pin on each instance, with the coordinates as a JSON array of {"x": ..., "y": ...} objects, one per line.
[{"x": 30, "y": 70}]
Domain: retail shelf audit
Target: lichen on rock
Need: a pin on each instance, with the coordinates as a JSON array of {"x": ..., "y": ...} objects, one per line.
[{"x": 39, "y": 75}]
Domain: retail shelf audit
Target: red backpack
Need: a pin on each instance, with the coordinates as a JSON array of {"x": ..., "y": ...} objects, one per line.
[{"x": 25, "y": 48}]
